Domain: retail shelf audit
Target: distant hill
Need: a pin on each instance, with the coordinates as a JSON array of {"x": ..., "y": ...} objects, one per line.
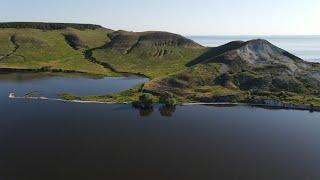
[{"x": 48, "y": 26}]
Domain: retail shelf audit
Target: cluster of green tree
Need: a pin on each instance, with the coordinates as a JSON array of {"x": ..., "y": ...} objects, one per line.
[
  {"x": 48, "y": 26},
  {"x": 168, "y": 99},
  {"x": 146, "y": 100}
]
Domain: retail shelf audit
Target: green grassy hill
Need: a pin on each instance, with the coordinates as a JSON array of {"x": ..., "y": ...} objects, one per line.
[
  {"x": 93, "y": 49},
  {"x": 154, "y": 54},
  {"x": 32, "y": 48}
]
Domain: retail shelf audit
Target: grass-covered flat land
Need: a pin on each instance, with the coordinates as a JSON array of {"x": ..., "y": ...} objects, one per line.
[
  {"x": 127, "y": 96},
  {"x": 254, "y": 71}
]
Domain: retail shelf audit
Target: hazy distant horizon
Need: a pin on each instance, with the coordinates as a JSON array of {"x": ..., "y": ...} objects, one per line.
[
  {"x": 186, "y": 17},
  {"x": 187, "y": 35}
]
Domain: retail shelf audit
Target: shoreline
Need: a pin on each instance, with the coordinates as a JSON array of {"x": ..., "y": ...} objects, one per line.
[
  {"x": 283, "y": 106},
  {"x": 8, "y": 70},
  {"x": 12, "y": 96}
]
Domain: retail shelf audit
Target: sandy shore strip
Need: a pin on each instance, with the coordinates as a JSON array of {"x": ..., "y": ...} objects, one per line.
[
  {"x": 12, "y": 96},
  {"x": 284, "y": 106},
  {"x": 221, "y": 104}
]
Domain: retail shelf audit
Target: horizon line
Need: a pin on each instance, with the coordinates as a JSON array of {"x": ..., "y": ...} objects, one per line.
[{"x": 186, "y": 35}]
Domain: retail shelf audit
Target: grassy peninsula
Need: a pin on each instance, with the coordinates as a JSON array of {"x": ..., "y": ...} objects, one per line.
[{"x": 255, "y": 71}]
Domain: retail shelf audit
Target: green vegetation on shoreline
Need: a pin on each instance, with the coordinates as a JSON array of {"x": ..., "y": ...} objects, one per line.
[{"x": 127, "y": 96}]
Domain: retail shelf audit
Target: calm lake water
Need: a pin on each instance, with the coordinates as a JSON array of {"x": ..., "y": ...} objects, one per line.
[
  {"x": 50, "y": 85},
  {"x": 306, "y": 47},
  {"x": 56, "y": 140}
]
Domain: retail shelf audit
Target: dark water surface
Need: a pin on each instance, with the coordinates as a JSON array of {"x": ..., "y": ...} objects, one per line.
[{"x": 56, "y": 140}]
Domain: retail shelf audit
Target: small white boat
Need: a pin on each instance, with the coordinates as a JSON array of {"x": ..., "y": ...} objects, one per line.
[
  {"x": 11, "y": 95},
  {"x": 42, "y": 98}
]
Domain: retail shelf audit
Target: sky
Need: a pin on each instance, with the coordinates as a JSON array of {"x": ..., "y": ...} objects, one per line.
[{"x": 187, "y": 17}]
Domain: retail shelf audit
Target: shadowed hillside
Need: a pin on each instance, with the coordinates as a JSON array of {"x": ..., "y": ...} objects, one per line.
[{"x": 215, "y": 51}]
